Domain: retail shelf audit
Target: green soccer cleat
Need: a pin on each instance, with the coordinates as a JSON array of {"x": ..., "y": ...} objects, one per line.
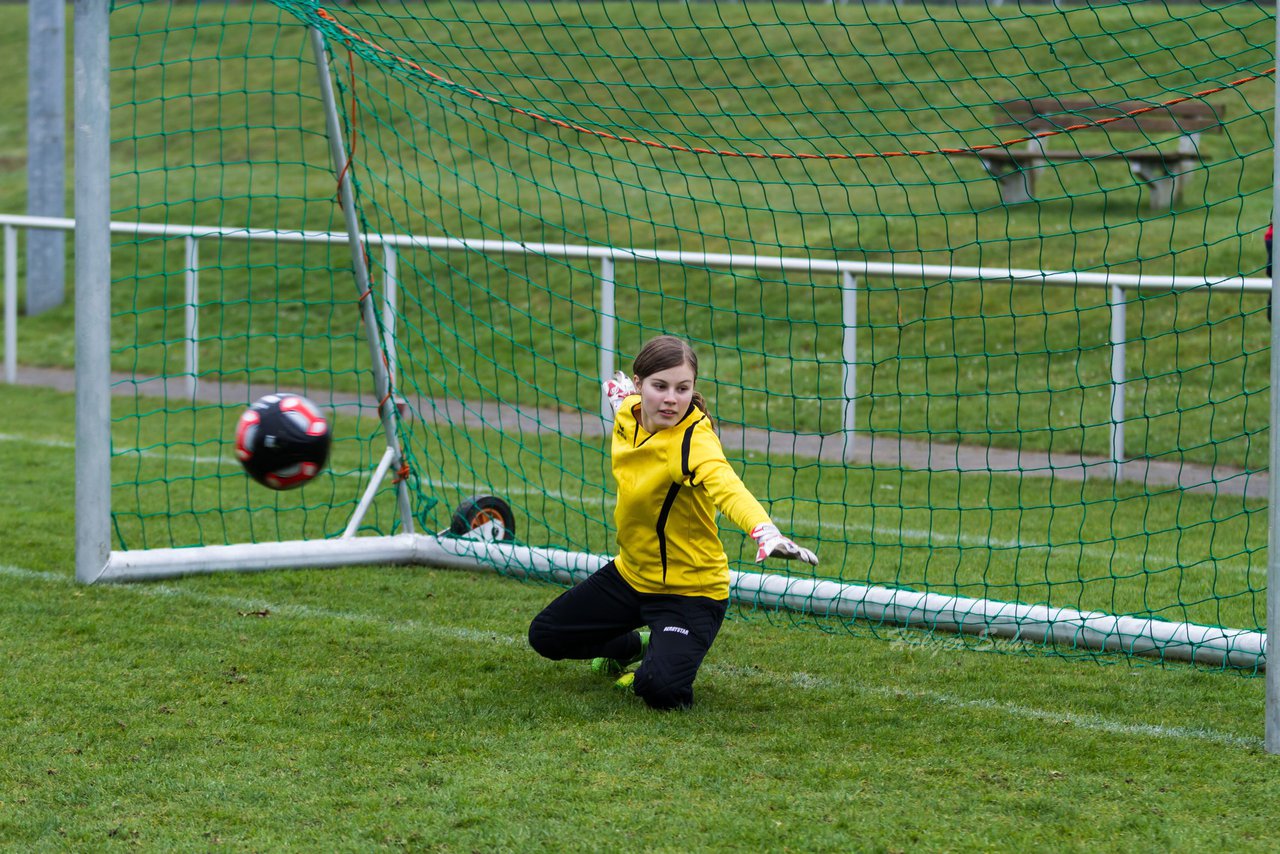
[
  {"x": 626, "y": 682},
  {"x": 614, "y": 667},
  {"x": 607, "y": 666}
]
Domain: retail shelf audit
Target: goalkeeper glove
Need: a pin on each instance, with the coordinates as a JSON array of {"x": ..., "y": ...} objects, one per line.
[
  {"x": 618, "y": 388},
  {"x": 773, "y": 544}
]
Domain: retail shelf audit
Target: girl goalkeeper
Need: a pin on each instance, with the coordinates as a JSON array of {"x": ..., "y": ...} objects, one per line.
[{"x": 671, "y": 574}]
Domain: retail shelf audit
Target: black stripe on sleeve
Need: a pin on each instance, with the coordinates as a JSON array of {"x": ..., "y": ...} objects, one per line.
[{"x": 662, "y": 526}]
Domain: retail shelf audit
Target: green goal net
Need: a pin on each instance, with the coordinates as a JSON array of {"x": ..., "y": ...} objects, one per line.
[{"x": 978, "y": 290}]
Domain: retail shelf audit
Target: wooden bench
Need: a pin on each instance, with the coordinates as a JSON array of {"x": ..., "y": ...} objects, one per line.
[{"x": 1163, "y": 170}]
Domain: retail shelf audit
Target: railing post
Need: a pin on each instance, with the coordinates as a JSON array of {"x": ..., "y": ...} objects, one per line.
[
  {"x": 10, "y": 304},
  {"x": 191, "y": 281},
  {"x": 389, "y": 263},
  {"x": 608, "y": 329},
  {"x": 1117, "y": 304},
  {"x": 849, "y": 301},
  {"x": 390, "y": 300}
]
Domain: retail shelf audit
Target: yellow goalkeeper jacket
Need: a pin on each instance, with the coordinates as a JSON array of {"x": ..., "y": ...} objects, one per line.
[{"x": 670, "y": 484}]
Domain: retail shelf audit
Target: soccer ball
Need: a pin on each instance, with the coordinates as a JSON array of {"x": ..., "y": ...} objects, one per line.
[{"x": 282, "y": 440}]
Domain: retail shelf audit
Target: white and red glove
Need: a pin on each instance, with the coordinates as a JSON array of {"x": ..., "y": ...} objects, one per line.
[
  {"x": 772, "y": 544},
  {"x": 617, "y": 389}
]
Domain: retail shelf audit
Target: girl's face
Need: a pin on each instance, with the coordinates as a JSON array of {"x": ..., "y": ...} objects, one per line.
[{"x": 665, "y": 397}]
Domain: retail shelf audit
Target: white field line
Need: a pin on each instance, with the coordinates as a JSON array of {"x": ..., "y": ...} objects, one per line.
[
  {"x": 935, "y": 698},
  {"x": 928, "y": 538},
  {"x": 800, "y": 680}
]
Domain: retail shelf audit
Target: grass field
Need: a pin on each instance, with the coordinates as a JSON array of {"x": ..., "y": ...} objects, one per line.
[
  {"x": 401, "y": 708},
  {"x": 991, "y": 365},
  {"x": 1121, "y": 548},
  {"x": 1010, "y": 366}
]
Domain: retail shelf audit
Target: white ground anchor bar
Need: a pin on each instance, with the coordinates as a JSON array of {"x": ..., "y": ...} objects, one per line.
[
  {"x": 1081, "y": 629},
  {"x": 1207, "y": 645},
  {"x": 154, "y": 564}
]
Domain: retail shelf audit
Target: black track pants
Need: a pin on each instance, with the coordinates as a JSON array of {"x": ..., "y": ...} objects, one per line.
[{"x": 599, "y": 617}]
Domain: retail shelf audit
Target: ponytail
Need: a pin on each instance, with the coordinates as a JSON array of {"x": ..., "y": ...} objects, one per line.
[{"x": 701, "y": 402}]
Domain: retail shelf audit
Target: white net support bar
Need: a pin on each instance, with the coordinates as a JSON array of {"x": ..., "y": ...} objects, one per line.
[{"x": 1208, "y": 645}]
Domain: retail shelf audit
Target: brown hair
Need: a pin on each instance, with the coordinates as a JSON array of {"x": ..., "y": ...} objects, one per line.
[{"x": 668, "y": 351}]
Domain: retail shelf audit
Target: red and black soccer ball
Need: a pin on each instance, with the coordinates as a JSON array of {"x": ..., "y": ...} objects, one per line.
[{"x": 282, "y": 440}]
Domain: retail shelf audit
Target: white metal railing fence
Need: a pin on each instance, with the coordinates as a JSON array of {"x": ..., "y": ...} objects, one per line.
[{"x": 848, "y": 272}]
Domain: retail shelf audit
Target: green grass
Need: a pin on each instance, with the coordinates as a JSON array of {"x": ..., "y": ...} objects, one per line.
[
  {"x": 1010, "y": 367},
  {"x": 990, "y": 365},
  {"x": 993, "y": 365},
  {"x": 1092, "y": 545},
  {"x": 397, "y": 708}
]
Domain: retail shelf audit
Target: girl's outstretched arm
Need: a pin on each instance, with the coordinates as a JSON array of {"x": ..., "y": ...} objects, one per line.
[{"x": 734, "y": 500}]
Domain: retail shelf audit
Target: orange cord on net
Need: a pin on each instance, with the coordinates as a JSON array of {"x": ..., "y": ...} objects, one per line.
[{"x": 971, "y": 149}]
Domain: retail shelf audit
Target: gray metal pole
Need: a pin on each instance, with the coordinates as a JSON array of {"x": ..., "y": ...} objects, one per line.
[
  {"x": 849, "y": 351},
  {"x": 1116, "y": 299},
  {"x": 46, "y": 152},
  {"x": 381, "y": 379},
  {"x": 608, "y": 333},
  {"x": 191, "y": 287},
  {"x": 93, "y": 288},
  {"x": 1271, "y": 738},
  {"x": 10, "y": 304}
]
